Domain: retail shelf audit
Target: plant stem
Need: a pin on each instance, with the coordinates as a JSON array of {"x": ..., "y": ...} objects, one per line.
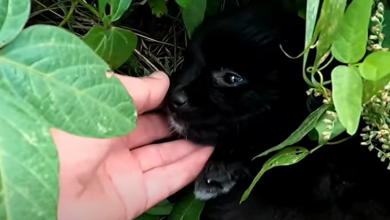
[
  {"x": 92, "y": 9},
  {"x": 69, "y": 14},
  {"x": 330, "y": 143}
]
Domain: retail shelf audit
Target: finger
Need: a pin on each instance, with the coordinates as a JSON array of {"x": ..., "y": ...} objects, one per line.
[
  {"x": 149, "y": 128},
  {"x": 156, "y": 155},
  {"x": 164, "y": 181},
  {"x": 147, "y": 92}
]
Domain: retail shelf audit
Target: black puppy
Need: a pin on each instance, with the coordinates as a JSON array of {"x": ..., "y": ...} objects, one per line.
[{"x": 240, "y": 93}]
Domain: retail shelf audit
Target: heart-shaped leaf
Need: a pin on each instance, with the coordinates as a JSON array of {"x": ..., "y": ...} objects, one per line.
[
  {"x": 114, "y": 45},
  {"x": 28, "y": 162},
  {"x": 63, "y": 79},
  {"x": 307, "y": 125},
  {"x": 285, "y": 157},
  {"x": 13, "y": 17},
  {"x": 350, "y": 41},
  {"x": 347, "y": 86},
  {"x": 117, "y": 8},
  {"x": 193, "y": 15},
  {"x": 188, "y": 208},
  {"x": 375, "y": 66}
]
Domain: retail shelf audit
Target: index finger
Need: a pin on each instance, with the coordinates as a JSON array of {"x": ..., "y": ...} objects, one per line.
[{"x": 147, "y": 92}]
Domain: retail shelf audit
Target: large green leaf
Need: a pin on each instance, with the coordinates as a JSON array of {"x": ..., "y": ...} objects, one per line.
[
  {"x": 114, "y": 45},
  {"x": 146, "y": 216},
  {"x": 28, "y": 163},
  {"x": 332, "y": 12},
  {"x": 193, "y": 15},
  {"x": 184, "y": 3},
  {"x": 188, "y": 208},
  {"x": 347, "y": 86},
  {"x": 159, "y": 7},
  {"x": 63, "y": 79},
  {"x": 162, "y": 208},
  {"x": 350, "y": 42},
  {"x": 375, "y": 66},
  {"x": 13, "y": 17},
  {"x": 285, "y": 157},
  {"x": 117, "y": 8},
  {"x": 307, "y": 125}
]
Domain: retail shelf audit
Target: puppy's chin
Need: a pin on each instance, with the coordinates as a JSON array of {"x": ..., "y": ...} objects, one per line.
[{"x": 176, "y": 125}]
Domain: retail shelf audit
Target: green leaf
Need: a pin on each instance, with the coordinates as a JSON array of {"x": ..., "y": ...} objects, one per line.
[
  {"x": 371, "y": 88},
  {"x": 193, "y": 15},
  {"x": 329, "y": 125},
  {"x": 62, "y": 78},
  {"x": 162, "y": 208},
  {"x": 159, "y": 7},
  {"x": 147, "y": 217},
  {"x": 311, "y": 16},
  {"x": 285, "y": 157},
  {"x": 188, "y": 208},
  {"x": 28, "y": 163},
  {"x": 386, "y": 29},
  {"x": 114, "y": 45},
  {"x": 350, "y": 42},
  {"x": 375, "y": 66},
  {"x": 332, "y": 12},
  {"x": 347, "y": 86},
  {"x": 307, "y": 125},
  {"x": 13, "y": 17},
  {"x": 184, "y": 3},
  {"x": 117, "y": 8}
]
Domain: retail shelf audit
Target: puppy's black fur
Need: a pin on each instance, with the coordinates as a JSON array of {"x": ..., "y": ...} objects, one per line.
[{"x": 240, "y": 93}]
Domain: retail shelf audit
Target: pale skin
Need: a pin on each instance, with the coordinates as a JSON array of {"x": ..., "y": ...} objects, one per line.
[{"x": 120, "y": 178}]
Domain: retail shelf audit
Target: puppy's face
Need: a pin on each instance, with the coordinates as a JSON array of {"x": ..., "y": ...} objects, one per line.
[{"x": 230, "y": 74}]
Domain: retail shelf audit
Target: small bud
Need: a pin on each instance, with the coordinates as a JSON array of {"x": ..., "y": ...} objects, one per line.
[
  {"x": 381, "y": 36},
  {"x": 365, "y": 143},
  {"x": 379, "y": 154},
  {"x": 371, "y": 147},
  {"x": 367, "y": 128},
  {"x": 376, "y": 47},
  {"x": 375, "y": 29},
  {"x": 380, "y": 7},
  {"x": 375, "y": 19},
  {"x": 385, "y": 147},
  {"x": 379, "y": 16},
  {"x": 383, "y": 158},
  {"x": 383, "y": 140},
  {"x": 327, "y": 120},
  {"x": 373, "y": 37}
]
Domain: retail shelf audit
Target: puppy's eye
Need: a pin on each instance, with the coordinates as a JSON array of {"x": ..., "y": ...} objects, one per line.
[
  {"x": 227, "y": 78},
  {"x": 232, "y": 78}
]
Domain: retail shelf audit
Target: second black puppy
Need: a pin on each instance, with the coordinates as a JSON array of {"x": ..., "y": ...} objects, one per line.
[{"x": 239, "y": 92}]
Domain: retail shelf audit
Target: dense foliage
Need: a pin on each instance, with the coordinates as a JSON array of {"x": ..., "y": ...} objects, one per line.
[{"x": 40, "y": 62}]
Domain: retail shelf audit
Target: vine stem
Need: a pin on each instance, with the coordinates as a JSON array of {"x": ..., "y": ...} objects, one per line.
[
  {"x": 92, "y": 9},
  {"x": 330, "y": 143},
  {"x": 71, "y": 10}
]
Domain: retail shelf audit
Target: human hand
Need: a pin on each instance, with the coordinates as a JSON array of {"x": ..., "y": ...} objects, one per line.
[{"x": 120, "y": 178}]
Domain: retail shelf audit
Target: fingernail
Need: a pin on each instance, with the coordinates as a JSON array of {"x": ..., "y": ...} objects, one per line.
[{"x": 158, "y": 75}]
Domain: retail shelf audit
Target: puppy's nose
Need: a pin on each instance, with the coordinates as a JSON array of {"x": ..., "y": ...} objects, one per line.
[{"x": 179, "y": 98}]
